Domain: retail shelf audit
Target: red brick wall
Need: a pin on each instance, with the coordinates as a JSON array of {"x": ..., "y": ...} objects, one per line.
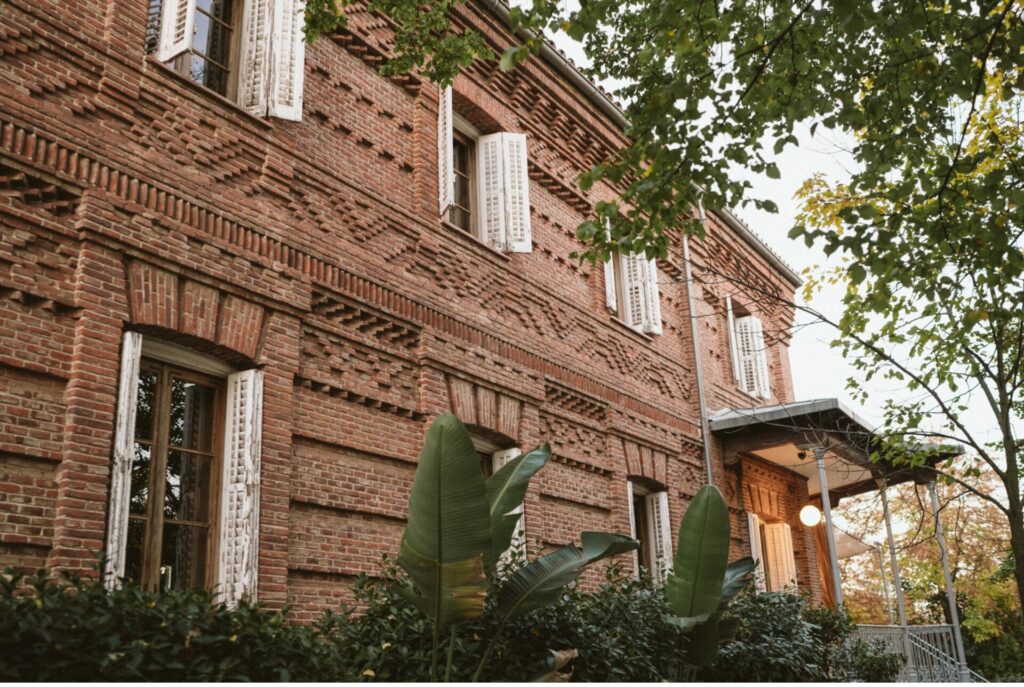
[{"x": 134, "y": 199}]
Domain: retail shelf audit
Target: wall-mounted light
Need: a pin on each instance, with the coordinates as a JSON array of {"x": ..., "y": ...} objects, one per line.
[{"x": 810, "y": 516}]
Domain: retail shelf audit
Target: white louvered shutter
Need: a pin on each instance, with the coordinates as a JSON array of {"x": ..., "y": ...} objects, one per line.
[
  {"x": 610, "y": 297},
  {"x": 499, "y": 460},
  {"x": 660, "y": 535},
  {"x": 652, "y": 299},
  {"x": 445, "y": 153},
  {"x": 733, "y": 349},
  {"x": 781, "y": 562},
  {"x": 491, "y": 190},
  {"x": 633, "y": 273},
  {"x": 177, "y": 23},
  {"x": 240, "y": 488},
  {"x": 255, "y": 56},
  {"x": 754, "y": 527},
  {"x": 124, "y": 452},
  {"x": 517, "y": 194},
  {"x": 632, "y": 527},
  {"x": 761, "y": 386},
  {"x": 288, "y": 59},
  {"x": 747, "y": 354}
]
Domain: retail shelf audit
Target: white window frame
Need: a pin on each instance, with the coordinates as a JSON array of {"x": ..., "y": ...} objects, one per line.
[
  {"x": 748, "y": 353},
  {"x": 628, "y": 273},
  {"x": 241, "y": 548},
  {"x": 658, "y": 531},
  {"x": 757, "y": 551},
  {"x": 777, "y": 549}
]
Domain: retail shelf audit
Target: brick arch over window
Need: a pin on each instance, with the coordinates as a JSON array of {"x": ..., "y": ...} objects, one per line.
[
  {"x": 646, "y": 462},
  {"x": 480, "y": 108},
  {"x": 487, "y": 411},
  {"x": 194, "y": 314}
]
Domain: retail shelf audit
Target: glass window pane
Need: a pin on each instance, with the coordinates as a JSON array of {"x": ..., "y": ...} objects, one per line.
[
  {"x": 140, "y": 480},
  {"x": 153, "y": 26},
  {"x": 187, "y": 495},
  {"x": 212, "y": 39},
  {"x": 183, "y": 559},
  {"x": 191, "y": 415},
  {"x": 144, "y": 403},
  {"x": 133, "y": 554}
]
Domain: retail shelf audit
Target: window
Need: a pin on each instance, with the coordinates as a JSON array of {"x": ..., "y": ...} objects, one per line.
[
  {"x": 250, "y": 51},
  {"x": 483, "y": 186},
  {"x": 631, "y": 291},
  {"x": 748, "y": 351},
  {"x": 176, "y": 457},
  {"x": 184, "y": 486},
  {"x": 493, "y": 459},
  {"x": 771, "y": 545},
  {"x": 650, "y": 525}
]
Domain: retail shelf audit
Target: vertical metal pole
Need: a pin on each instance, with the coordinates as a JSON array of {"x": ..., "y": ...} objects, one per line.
[
  {"x": 954, "y": 615},
  {"x": 705, "y": 431},
  {"x": 897, "y": 584},
  {"x": 885, "y": 583},
  {"x": 830, "y": 533}
]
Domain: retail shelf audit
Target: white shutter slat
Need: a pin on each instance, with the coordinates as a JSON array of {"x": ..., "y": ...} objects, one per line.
[
  {"x": 177, "y": 24},
  {"x": 288, "y": 59},
  {"x": 632, "y": 526},
  {"x": 661, "y": 534},
  {"x": 748, "y": 363},
  {"x": 610, "y": 296},
  {"x": 255, "y": 55},
  {"x": 632, "y": 271},
  {"x": 124, "y": 452},
  {"x": 733, "y": 348},
  {"x": 240, "y": 487},
  {"x": 754, "y": 528},
  {"x": 499, "y": 460},
  {"x": 760, "y": 354},
  {"x": 491, "y": 190},
  {"x": 781, "y": 562},
  {"x": 518, "y": 235},
  {"x": 652, "y": 299},
  {"x": 445, "y": 152}
]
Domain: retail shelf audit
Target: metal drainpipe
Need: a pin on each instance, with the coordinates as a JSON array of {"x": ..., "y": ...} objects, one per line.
[
  {"x": 954, "y": 615},
  {"x": 705, "y": 429}
]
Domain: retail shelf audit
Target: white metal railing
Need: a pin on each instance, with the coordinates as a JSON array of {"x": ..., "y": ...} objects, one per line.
[{"x": 929, "y": 650}]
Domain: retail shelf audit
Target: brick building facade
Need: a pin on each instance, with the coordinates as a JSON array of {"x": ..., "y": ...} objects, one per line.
[{"x": 280, "y": 264}]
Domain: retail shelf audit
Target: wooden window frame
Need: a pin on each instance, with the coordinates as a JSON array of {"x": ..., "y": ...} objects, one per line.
[
  {"x": 460, "y": 137},
  {"x": 154, "y": 519},
  {"x": 182, "y": 63}
]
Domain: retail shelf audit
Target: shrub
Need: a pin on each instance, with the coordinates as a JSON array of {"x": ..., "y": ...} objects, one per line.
[
  {"x": 845, "y": 657},
  {"x": 80, "y": 631}
]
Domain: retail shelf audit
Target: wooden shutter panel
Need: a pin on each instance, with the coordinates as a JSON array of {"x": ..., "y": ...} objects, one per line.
[
  {"x": 124, "y": 449},
  {"x": 633, "y": 274},
  {"x": 652, "y": 299},
  {"x": 748, "y": 363},
  {"x": 499, "y": 460},
  {"x": 610, "y": 297},
  {"x": 445, "y": 152},
  {"x": 661, "y": 534},
  {"x": 517, "y": 194},
  {"x": 491, "y": 190},
  {"x": 288, "y": 55},
  {"x": 240, "y": 488},
  {"x": 760, "y": 355},
  {"x": 754, "y": 527},
  {"x": 255, "y": 55},
  {"x": 177, "y": 23},
  {"x": 632, "y": 527},
  {"x": 781, "y": 562},
  {"x": 733, "y": 348}
]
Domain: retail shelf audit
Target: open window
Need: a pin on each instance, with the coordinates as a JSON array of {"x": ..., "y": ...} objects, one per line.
[
  {"x": 483, "y": 185},
  {"x": 651, "y": 525},
  {"x": 249, "y": 51},
  {"x": 493, "y": 458},
  {"x": 771, "y": 545},
  {"x": 184, "y": 495},
  {"x": 747, "y": 350}
]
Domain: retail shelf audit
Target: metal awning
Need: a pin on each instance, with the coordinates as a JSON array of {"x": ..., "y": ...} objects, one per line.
[{"x": 784, "y": 434}]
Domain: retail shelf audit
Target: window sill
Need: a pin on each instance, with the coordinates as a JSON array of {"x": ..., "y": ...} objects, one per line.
[
  {"x": 643, "y": 335},
  {"x": 206, "y": 92},
  {"x": 749, "y": 395},
  {"x": 473, "y": 240}
]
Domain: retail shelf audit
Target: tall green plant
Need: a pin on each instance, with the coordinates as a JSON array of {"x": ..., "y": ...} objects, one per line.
[
  {"x": 460, "y": 525},
  {"x": 702, "y": 582}
]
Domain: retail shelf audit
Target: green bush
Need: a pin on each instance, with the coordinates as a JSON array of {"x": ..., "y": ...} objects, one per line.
[{"x": 79, "y": 631}]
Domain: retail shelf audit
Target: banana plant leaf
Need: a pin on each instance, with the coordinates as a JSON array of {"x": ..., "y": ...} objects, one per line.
[
  {"x": 539, "y": 582},
  {"x": 444, "y": 546},
  {"x": 738, "y": 575},
  {"x": 694, "y": 585},
  {"x": 506, "y": 490}
]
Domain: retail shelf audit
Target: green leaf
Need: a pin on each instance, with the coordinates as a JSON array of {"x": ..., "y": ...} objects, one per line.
[
  {"x": 539, "y": 582},
  {"x": 738, "y": 575},
  {"x": 506, "y": 490},
  {"x": 694, "y": 585},
  {"x": 445, "y": 545}
]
